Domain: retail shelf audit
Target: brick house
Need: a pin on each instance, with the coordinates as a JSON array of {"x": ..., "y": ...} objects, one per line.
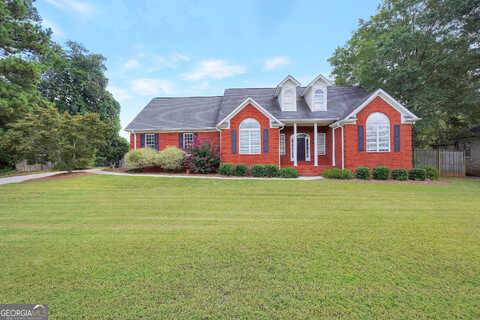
[{"x": 311, "y": 127}]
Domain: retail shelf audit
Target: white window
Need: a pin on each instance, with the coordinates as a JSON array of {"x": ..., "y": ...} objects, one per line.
[
  {"x": 289, "y": 99},
  {"x": 378, "y": 133},
  {"x": 188, "y": 141},
  {"x": 250, "y": 141},
  {"x": 318, "y": 99},
  {"x": 282, "y": 144},
  {"x": 321, "y": 143},
  {"x": 150, "y": 140}
]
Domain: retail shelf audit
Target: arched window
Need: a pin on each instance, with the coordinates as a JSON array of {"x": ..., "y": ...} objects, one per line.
[
  {"x": 378, "y": 133},
  {"x": 249, "y": 137},
  {"x": 318, "y": 99}
]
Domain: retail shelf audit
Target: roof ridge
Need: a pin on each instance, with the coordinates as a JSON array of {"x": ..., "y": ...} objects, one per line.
[{"x": 187, "y": 97}]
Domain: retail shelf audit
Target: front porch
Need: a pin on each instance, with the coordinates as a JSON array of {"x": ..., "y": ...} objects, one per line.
[{"x": 312, "y": 152}]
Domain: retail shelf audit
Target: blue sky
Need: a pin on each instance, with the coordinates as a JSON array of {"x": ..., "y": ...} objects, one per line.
[{"x": 196, "y": 48}]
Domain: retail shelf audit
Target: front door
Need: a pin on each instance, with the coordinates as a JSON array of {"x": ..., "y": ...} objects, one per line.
[{"x": 301, "y": 149}]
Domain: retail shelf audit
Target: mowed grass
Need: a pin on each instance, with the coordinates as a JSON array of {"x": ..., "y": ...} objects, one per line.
[{"x": 107, "y": 247}]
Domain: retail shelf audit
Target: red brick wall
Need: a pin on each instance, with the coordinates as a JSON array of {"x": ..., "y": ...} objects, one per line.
[
  {"x": 171, "y": 138},
  {"x": 322, "y": 159},
  {"x": 354, "y": 159},
  {"x": 263, "y": 158}
]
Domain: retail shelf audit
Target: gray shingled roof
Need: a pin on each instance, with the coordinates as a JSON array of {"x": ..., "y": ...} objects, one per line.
[{"x": 206, "y": 112}]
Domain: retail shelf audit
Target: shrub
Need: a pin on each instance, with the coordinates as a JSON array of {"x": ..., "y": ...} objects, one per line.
[
  {"x": 141, "y": 158},
  {"x": 362, "y": 173},
  {"x": 333, "y": 173},
  {"x": 289, "y": 173},
  {"x": 204, "y": 157},
  {"x": 417, "y": 174},
  {"x": 399, "y": 174},
  {"x": 346, "y": 174},
  {"x": 381, "y": 173},
  {"x": 432, "y": 172},
  {"x": 170, "y": 158},
  {"x": 271, "y": 170},
  {"x": 257, "y": 170},
  {"x": 241, "y": 170},
  {"x": 226, "y": 169}
]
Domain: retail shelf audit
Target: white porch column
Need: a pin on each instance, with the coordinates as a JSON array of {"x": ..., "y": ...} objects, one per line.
[
  {"x": 333, "y": 147},
  {"x": 343, "y": 152},
  {"x": 315, "y": 146},
  {"x": 134, "y": 141},
  {"x": 295, "y": 144}
]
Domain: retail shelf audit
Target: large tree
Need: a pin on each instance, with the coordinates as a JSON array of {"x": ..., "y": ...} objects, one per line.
[
  {"x": 23, "y": 43},
  {"x": 426, "y": 54}
]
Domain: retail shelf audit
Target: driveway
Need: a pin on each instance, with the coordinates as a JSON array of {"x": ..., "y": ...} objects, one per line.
[{"x": 17, "y": 179}]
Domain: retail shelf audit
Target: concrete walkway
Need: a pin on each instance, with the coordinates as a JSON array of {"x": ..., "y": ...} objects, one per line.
[
  {"x": 17, "y": 179},
  {"x": 99, "y": 171}
]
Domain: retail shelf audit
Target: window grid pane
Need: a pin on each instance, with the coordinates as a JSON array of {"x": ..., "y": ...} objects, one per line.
[
  {"x": 378, "y": 133},
  {"x": 150, "y": 140},
  {"x": 321, "y": 143},
  {"x": 249, "y": 137},
  {"x": 188, "y": 139},
  {"x": 282, "y": 144}
]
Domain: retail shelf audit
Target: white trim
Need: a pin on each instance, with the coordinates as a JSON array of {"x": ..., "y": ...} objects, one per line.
[
  {"x": 333, "y": 147},
  {"x": 245, "y": 103},
  {"x": 284, "y": 143},
  {"x": 377, "y": 134},
  {"x": 259, "y": 130},
  {"x": 310, "y": 85},
  {"x": 146, "y": 144},
  {"x": 295, "y": 163},
  {"x": 134, "y": 141},
  {"x": 351, "y": 117},
  {"x": 343, "y": 151},
  {"x": 315, "y": 146},
  {"x": 308, "y": 155}
]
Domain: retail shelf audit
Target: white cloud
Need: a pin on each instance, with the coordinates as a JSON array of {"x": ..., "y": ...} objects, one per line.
[
  {"x": 78, "y": 7},
  {"x": 217, "y": 69},
  {"x": 171, "y": 61},
  {"x": 119, "y": 93},
  {"x": 131, "y": 64},
  {"x": 276, "y": 62},
  {"x": 57, "y": 31},
  {"x": 152, "y": 86}
]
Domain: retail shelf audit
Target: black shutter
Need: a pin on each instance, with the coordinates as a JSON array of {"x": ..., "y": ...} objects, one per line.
[
  {"x": 142, "y": 140},
  {"x": 361, "y": 140},
  {"x": 195, "y": 137},
  {"x": 180, "y": 140},
  {"x": 396, "y": 138},
  {"x": 234, "y": 141},
  {"x": 265, "y": 140},
  {"x": 156, "y": 141}
]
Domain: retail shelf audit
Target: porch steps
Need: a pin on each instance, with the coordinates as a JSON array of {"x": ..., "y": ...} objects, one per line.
[{"x": 310, "y": 170}]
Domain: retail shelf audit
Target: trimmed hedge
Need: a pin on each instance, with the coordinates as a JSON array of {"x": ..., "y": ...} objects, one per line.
[
  {"x": 170, "y": 158},
  {"x": 289, "y": 173},
  {"x": 362, "y": 173},
  {"x": 226, "y": 169},
  {"x": 399, "y": 174},
  {"x": 141, "y": 158},
  {"x": 346, "y": 174},
  {"x": 381, "y": 173},
  {"x": 432, "y": 172},
  {"x": 417, "y": 174},
  {"x": 241, "y": 170},
  {"x": 271, "y": 170},
  {"x": 257, "y": 170},
  {"x": 336, "y": 173}
]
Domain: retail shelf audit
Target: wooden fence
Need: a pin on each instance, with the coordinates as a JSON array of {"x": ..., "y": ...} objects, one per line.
[{"x": 448, "y": 163}]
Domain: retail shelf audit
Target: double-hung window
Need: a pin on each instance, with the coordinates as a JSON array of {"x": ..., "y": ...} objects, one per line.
[
  {"x": 282, "y": 144},
  {"x": 188, "y": 141},
  {"x": 321, "y": 143},
  {"x": 250, "y": 140},
  {"x": 150, "y": 140},
  {"x": 378, "y": 133}
]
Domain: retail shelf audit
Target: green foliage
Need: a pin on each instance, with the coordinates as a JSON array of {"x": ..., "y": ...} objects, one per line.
[
  {"x": 226, "y": 169},
  {"x": 141, "y": 158},
  {"x": 241, "y": 170},
  {"x": 425, "y": 54},
  {"x": 432, "y": 172},
  {"x": 362, "y": 173},
  {"x": 346, "y": 174},
  {"x": 257, "y": 170},
  {"x": 204, "y": 157},
  {"x": 113, "y": 152},
  {"x": 381, "y": 173},
  {"x": 336, "y": 173},
  {"x": 289, "y": 173},
  {"x": 271, "y": 170},
  {"x": 399, "y": 174},
  {"x": 170, "y": 158},
  {"x": 417, "y": 174}
]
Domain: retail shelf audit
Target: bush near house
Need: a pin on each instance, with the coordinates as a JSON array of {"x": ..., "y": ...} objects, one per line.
[
  {"x": 346, "y": 174},
  {"x": 363, "y": 173},
  {"x": 170, "y": 158},
  {"x": 417, "y": 174},
  {"x": 289, "y": 173},
  {"x": 399, "y": 174},
  {"x": 336, "y": 173},
  {"x": 226, "y": 169},
  {"x": 431, "y": 172},
  {"x": 241, "y": 170},
  {"x": 381, "y": 173},
  {"x": 257, "y": 170},
  {"x": 204, "y": 157},
  {"x": 271, "y": 170},
  {"x": 141, "y": 158}
]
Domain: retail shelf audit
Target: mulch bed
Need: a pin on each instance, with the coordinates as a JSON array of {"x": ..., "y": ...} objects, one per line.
[
  {"x": 62, "y": 176},
  {"x": 372, "y": 181}
]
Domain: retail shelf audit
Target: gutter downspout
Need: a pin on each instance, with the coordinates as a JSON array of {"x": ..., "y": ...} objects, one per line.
[
  {"x": 279, "y": 155},
  {"x": 134, "y": 140}
]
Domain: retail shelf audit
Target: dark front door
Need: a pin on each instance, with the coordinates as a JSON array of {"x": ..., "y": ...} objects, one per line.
[{"x": 301, "y": 149}]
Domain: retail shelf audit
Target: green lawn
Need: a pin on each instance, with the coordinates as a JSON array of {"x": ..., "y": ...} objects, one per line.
[{"x": 107, "y": 247}]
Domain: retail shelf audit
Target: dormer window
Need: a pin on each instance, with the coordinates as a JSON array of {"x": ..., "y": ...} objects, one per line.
[
  {"x": 289, "y": 99},
  {"x": 318, "y": 99},
  {"x": 286, "y": 93}
]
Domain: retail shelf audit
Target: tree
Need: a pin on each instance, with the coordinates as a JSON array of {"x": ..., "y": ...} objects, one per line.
[
  {"x": 46, "y": 135},
  {"x": 426, "y": 54},
  {"x": 113, "y": 151},
  {"x": 22, "y": 44}
]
